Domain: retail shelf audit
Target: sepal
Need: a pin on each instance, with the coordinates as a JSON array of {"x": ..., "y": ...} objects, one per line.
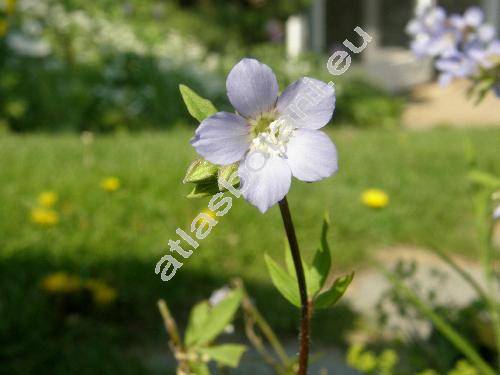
[{"x": 200, "y": 170}]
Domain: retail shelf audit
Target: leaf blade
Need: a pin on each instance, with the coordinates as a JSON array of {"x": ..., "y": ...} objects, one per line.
[
  {"x": 333, "y": 295},
  {"x": 197, "y": 319},
  {"x": 227, "y": 354},
  {"x": 198, "y": 107},
  {"x": 220, "y": 316},
  {"x": 285, "y": 283}
]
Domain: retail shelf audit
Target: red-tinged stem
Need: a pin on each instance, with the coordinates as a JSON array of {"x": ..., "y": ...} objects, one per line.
[{"x": 305, "y": 305}]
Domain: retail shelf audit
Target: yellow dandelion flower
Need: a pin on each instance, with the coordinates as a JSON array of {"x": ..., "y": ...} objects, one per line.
[
  {"x": 375, "y": 198},
  {"x": 44, "y": 217},
  {"x": 102, "y": 293},
  {"x": 60, "y": 283},
  {"x": 110, "y": 184},
  {"x": 47, "y": 199}
]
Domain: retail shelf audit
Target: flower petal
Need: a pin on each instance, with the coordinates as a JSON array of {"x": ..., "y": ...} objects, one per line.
[
  {"x": 264, "y": 180},
  {"x": 222, "y": 138},
  {"x": 311, "y": 155},
  {"x": 474, "y": 16},
  {"x": 309, "y": 103},
  {"x": 252, "y": 88}
]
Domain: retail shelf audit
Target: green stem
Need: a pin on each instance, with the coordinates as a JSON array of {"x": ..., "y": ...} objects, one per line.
[
  {"x": 269, "y": 334},
  {"x": 448, "y": 331},
  {"x": 250, "y": 309},
  {"x": 485, "y": 228},
  {"x": 304, "y": 301},
  {"x": 465, "y": 275},
  {"x": 494, "y": 309},
  {"x": 170, "y": 325},
  {"x": 175, "y": 339}
]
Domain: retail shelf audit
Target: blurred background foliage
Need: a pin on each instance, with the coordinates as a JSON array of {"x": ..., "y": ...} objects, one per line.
[{"x": 117, "y": 65}]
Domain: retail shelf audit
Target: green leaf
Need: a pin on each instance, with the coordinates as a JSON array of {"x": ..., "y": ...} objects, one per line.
[
  {"x": 197, "y": 319},
  {"x": 481, "y": 88},
  {"x": 484, "y": 179},
  {"x": 197, "y": 106},
  {"x": 337, "y": 290},
  {"x": 199, "y": 368},
  {"x": 285, "y": 283},
  {"x": 324, "y": 238},
  {"x": 228, "y": 355},
  {"x": 222, "y": 315},
  {"x": 225, "y": 173},
  {"x": 312, "y": 277},
  {"x": 322, "y": 262},
  {"x": 289, "y": 260},
  {"x": 206, "y": 322},
  {"x": 200, "y": 170},
  {"x": 204, "y": 189}
]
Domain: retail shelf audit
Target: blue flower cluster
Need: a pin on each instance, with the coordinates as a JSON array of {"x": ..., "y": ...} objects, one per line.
[{"x": 464, "y": 45}]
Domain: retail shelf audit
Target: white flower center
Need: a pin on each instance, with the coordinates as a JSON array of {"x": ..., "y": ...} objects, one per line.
[{"x": 274, "y": 141}]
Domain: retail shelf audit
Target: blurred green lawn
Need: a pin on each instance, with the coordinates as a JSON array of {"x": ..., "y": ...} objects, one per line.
[{"x": 120, "y": 236}]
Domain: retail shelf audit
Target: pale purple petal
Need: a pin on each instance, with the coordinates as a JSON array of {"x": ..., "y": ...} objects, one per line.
[
  {"x": 222, "y": 138},
  {"x": 311, "y": 155},
  {"x": 308, "y": 103},
  {"x": 494, "y": 48},
  {"x": 264, "y": 182},
  {"x": 252, "y": 88},
  {"x": 413, "y": 27},
  {"x": 486, "y": 33},
  {"x": 445, "y": 79},
  {"x": 457, "y": 21},
  {"x": 474, "y": 16}
]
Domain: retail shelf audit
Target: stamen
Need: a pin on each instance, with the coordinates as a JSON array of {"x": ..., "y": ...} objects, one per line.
[{"x": 273, "y": 141}]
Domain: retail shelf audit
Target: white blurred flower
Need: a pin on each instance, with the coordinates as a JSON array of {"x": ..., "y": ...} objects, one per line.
[
  {"x": 496, "y": 213},
  {"x": 32, "y": 27},
  {"x": 229, "y": 329},
  {"x": 219, "y": 295},
  {"x": 26, "y": 46}
]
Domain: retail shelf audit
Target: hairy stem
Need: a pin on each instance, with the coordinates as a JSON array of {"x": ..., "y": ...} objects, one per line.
[{"x": 304, "y": 301}]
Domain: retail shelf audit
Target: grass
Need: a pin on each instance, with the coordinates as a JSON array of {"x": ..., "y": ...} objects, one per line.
[{"x": 119, "y": 236}]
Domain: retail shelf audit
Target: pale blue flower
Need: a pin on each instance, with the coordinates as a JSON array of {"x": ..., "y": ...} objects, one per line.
[
  {"x": 432, "y": 33},
  {"x": 272, "y": 137},
  {"x": 455, "y": 65},
  {"x": 487, "y": 57},
  {"x": 468, "y": 64},
  {"x": 476, "y": 33},
  {"x": 464, "y": 45}
]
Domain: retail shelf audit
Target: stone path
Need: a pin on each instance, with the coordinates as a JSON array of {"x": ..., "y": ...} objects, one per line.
[{"x": 432, "y": 105}]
